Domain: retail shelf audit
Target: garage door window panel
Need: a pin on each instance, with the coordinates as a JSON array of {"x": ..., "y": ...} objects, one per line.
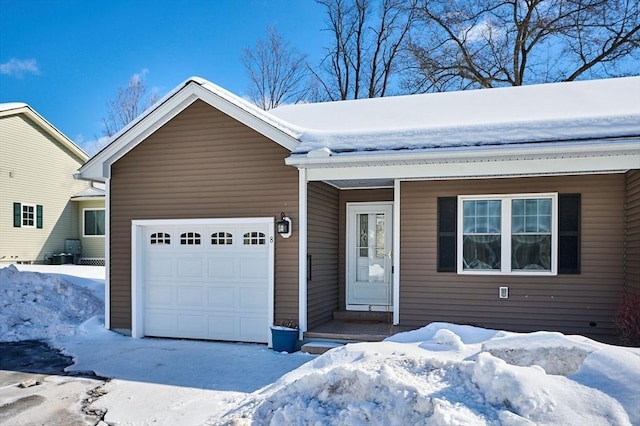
[
  {"x": 254, "y": 239},
  {"x": 160, "y": 238},
  {"x": 190, "y": 239},
  {"x": 221, "y": 239}
]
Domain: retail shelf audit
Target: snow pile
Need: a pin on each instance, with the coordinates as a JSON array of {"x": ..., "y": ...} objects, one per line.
[
  {"x": 441, "y": 374},
  {"x": 447, "y": 374},
  {"x": 41, "y": 306}
]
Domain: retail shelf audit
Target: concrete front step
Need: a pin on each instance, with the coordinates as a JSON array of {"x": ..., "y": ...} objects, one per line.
[{"x": 318, "y": 347}]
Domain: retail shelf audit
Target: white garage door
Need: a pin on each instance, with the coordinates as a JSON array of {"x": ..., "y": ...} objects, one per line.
[{"x": 208, "y": 279}]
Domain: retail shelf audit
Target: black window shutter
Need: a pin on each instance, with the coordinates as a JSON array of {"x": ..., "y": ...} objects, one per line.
[
  {"x": 447, "y": 226},
  {"x": 17, "y": 215},
  {"x": 569, "y": 233},
  {"x": 39, "y": 216}
]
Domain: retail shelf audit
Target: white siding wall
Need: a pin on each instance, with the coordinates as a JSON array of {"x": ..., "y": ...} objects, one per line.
[{"x": 35, "y": 169}]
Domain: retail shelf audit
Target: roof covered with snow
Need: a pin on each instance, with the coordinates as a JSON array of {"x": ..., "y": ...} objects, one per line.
[
  {"x": 8, "y": 106},
  {"x": 90, "y": 192},
  {"x": 404, "y": 129},
  {"x": 546, "y": 112}
]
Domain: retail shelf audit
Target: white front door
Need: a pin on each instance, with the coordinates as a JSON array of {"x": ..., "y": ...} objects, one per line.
[{"x": 369, "y": 258}]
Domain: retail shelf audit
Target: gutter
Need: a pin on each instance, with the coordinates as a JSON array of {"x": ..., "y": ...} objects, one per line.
[{"x": 460, "y": 154}]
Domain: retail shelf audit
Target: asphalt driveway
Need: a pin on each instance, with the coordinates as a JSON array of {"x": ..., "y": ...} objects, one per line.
[{"x": 34, "y": 389}]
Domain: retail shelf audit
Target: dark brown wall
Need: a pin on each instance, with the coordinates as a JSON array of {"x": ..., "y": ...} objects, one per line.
[
  {"x": 322, "y": 289},
  {"x": 353, "y": 196},
  {"x": 632, "y": 230},
  {"x": 202, "y": 164},
  {"x": 566, "y": 303}
]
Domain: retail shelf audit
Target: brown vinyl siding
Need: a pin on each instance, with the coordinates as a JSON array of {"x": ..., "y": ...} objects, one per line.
[
  {"x": 581, "y": 303},
  {"x": 353, "y": 196},
  {"x": 322, "y": 289},
  {"x": 632, "y": 230},
  {"x": 202, "y": 164}
]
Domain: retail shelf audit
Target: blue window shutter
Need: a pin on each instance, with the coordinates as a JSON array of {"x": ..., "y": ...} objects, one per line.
[
  {"x": 17, "y": 215},
  {"x": 39, "y": 216}
]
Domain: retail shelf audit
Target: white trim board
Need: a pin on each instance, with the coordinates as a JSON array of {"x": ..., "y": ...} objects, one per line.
[{"x": 99, "y": 166}]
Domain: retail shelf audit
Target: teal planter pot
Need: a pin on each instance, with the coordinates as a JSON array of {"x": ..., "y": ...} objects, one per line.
[{"x": 284, "y": 339}]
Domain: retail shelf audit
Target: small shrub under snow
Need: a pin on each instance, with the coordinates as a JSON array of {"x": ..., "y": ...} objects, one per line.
[{"x": 628, "y": 318}]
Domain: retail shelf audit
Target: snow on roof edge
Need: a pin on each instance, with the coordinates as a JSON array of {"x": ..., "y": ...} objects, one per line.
[
  {"x": 8, "y": 106},
  {"x": 466, "y": 136},
  {"x": 221, "y": 93},
  {"x": 289, "y": 128}
]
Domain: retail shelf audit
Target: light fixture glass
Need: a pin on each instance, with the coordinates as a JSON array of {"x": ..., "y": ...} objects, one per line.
[{"x": 283, "y": 226}]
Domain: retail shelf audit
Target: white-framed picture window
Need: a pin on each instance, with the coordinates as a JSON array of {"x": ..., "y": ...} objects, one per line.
[
  {"x": 28, "y": 215},
  {"x": 93, "y": 222},
  {"x": 508, "y": 234}
]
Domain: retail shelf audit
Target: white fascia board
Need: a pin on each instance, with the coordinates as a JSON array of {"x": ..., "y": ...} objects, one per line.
[
  {"x": 88, "y": 198},
  {"x": 280, "y": 136},
  {"x": 99, "y": 167},
  {"x": 462, "y": 153},
  {"x": 587, "y": 157},
  {"x": 484, "y": 168},
  {"x": 145, "y": 128}
]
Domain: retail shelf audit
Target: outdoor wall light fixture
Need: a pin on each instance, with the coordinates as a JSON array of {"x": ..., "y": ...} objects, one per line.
[{"x": 283, "y": 226}]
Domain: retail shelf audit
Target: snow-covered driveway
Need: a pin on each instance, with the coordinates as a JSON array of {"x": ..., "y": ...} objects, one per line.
[{"x": 165, "y": 381}]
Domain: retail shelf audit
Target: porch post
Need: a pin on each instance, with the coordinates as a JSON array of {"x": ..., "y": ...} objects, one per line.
[
  {"x": 302, "y": 250},
  {"x": 396, "y": 251},
  {"x": 107, "y": 253}
]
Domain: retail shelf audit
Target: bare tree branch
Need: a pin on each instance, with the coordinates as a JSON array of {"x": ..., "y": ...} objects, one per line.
[
  {"x": 487, "y": 43},
  {"x": 277, "y": 72},
  {"x": 368, "y": 39},
  {"x": 128, "y": 104}
]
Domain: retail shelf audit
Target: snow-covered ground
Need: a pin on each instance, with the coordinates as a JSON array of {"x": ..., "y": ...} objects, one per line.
[{"x": 442, "y": 374}]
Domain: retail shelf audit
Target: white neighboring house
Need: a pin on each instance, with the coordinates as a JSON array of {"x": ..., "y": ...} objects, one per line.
[{"x": 41, "y": 204}]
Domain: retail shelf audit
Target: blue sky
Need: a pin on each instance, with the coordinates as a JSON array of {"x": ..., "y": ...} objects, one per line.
[{"x": 67, "y": 58}]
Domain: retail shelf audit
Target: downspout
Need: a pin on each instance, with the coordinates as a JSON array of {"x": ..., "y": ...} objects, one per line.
[{"x": 302, "y": 250}]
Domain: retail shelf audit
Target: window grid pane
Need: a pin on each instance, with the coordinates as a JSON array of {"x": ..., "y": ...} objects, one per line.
[
  {"x": 28, "y": 216},
  {"x": 221, "y": 238},
  {"x": 363, "y": 235},
  {"x": 481, "y": 241},
  {"x": 531, "y": 234},
  {"x": 160, "y": 238},
  {"x": 190, "y": 238},
  {"x": 254, "y": 238},
  {"x": 380, "y": 235},
  {"x": 94, "y": 222}
]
